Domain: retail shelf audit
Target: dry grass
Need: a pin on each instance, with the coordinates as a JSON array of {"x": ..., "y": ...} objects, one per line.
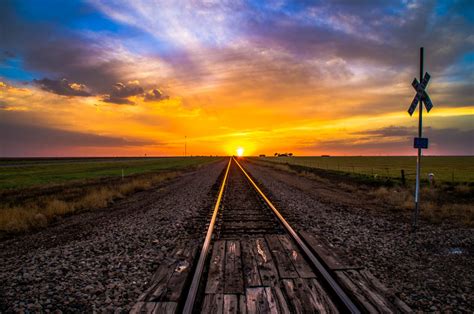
[
  {"x": 433, "y": 206},
  {"x": 38, "y": 213}
]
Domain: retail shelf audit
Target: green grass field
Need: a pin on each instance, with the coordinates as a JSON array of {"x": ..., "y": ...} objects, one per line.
[
  {"x": 22, "y": 173},
  {"x": 446, "y": 168}
]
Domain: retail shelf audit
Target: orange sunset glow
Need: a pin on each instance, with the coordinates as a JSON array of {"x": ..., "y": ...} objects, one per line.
[{"x": 134, "y": 78}]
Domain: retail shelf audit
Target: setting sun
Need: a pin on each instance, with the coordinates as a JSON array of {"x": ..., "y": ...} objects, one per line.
[{"x": 240, "y": 151}]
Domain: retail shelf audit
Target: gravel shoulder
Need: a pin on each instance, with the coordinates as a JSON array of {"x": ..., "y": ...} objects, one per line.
[
  {"x": 432, "y": 271},
  {"x": 103, "y": 259}
]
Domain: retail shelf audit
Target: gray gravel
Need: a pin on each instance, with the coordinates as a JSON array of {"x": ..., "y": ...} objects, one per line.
[
  {"x": 430, "y": 272},
  {"x": 101, "y": 260}
]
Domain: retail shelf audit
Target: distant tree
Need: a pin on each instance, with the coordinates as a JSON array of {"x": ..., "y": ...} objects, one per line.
[
  {"x": 276, "y": 154},
  {"x": 290, "y": 154}
]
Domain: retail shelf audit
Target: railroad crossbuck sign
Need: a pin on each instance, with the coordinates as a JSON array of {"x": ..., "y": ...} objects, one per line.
[{"x": 421, "y": 94}]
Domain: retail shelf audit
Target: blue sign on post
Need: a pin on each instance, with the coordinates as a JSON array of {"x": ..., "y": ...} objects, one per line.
[{"x": 420, "y": 142}]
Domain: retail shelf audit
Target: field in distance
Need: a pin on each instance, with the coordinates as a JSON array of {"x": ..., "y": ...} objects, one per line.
[
  {"x": 29, "y": 172},
  {"x": 457, "y": 169}
]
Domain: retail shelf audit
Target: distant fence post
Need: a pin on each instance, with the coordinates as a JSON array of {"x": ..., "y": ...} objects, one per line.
[{"x": 403, "y": 176}]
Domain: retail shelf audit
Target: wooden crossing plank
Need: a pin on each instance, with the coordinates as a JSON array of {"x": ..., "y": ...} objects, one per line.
[
  {"x": 165, "y": 308},
  {"x": 215, "y": 281},
  {"x": 266, "y": 266},
  {"x": 178, "y": 279},
  {"x": 250, "y": 265},
  {"x": 242, "y": 304},
  {"x": 400, "y": 306},
  {"x": 168, "y": 281},
  {"x": 283, "y": 263},
  {"x": 280, "y": 299},
  {"x": 234, "y": 282},
  {"x": 231, "y": 303},
  {"x": 257, "y": 300},
  {"x": 305, "y": 295},
  {"x": 293, "y": 301},
  {"x": 154, "y": 307},
  {"x": 301, "y": 266},
  {"x": 332, "y": 257},
  {"x": 213, "y": 303},
  {"x": 371, "y": 293},
  {"x": 355, "y": 291},
  {"x": 319, "y": 299},
  {"x": 274, "y": 302},
  {"x": 137, "y": 307}
]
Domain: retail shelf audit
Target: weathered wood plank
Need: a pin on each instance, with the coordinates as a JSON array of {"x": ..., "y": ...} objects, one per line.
[
  {"x": 250, "y": 265},
  {"x": 399, "y": 305},
  {"x": 332, "y": 257},
  {"x": 177, "y": 281},
  {"x": 159, "y": 279},
  {"x": 168, "y": 281},
  {"x": 301, "y": 266},
  {"x": 319, "y": 298},
  {"x": 144, "y": 307},
  {"x": 242, "y": 304},
  {"x": 293, "y": 300},
  {"x": 256, "y": 300},
  {"x": 234, "y": 282},
  {"x": 280, "y": 299},
  {"x": 355, "y": 291},
  {"x": 137, "y": 307},
  {"x": 266, "y": 266},
  {"x": 272, "y": 301},
  {"x": 165, "y": 308},
  {"x": 215, "y": 279},
  {"x": 370, "y": 292},
  {"x": 231, "y": 303},
  {"x": 284, "y": 265},
  {"x": 213, "y": 303}
]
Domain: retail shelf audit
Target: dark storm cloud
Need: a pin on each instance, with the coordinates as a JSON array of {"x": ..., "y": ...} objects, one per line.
[
  {"x": 120, "y": 93},
  {"x": 62, "y": 87},
  {"x": 155, "y": 95},
  {"x": 57, "y": 51},
  {"x": 20, "y": 139}
]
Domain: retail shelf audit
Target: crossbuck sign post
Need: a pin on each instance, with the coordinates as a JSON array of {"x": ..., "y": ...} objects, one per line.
[{"x": 420, "y": 142}]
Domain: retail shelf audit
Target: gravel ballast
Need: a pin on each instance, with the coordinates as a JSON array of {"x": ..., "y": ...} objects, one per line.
[
  {"x": 432, "y": 271},
  {"x": 102, "y": 260}
]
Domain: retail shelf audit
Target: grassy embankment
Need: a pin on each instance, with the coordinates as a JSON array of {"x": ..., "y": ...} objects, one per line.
[
  {"x": 453, "y": 169},
  {"x": 443, "y": 200},
  {"x": 35, "y": 192}
]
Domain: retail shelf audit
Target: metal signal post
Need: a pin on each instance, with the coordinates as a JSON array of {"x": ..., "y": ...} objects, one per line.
[
  {"x": 418, "y": 159},
  {"x": 420, "y": 142}
]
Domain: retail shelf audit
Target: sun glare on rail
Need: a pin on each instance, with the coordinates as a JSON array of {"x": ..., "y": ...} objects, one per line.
[{"x": 240, "y": 151}]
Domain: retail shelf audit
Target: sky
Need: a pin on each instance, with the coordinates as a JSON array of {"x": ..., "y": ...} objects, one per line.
[{"x": 142, "y": 77}]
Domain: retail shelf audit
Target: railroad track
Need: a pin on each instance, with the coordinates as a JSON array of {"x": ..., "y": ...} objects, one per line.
[{"x": 253, "y": 261}]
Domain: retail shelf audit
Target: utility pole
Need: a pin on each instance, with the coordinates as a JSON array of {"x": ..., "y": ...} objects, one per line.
[{"x": 185, "y": 137}]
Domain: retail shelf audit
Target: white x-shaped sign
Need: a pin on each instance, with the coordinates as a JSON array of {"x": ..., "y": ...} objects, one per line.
[{"x": 421, "y": 94}]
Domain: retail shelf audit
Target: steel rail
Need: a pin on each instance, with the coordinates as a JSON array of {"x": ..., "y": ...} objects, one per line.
[
  {"x": 350, "y": 306},
  {"x": 193, "y": 289}
]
